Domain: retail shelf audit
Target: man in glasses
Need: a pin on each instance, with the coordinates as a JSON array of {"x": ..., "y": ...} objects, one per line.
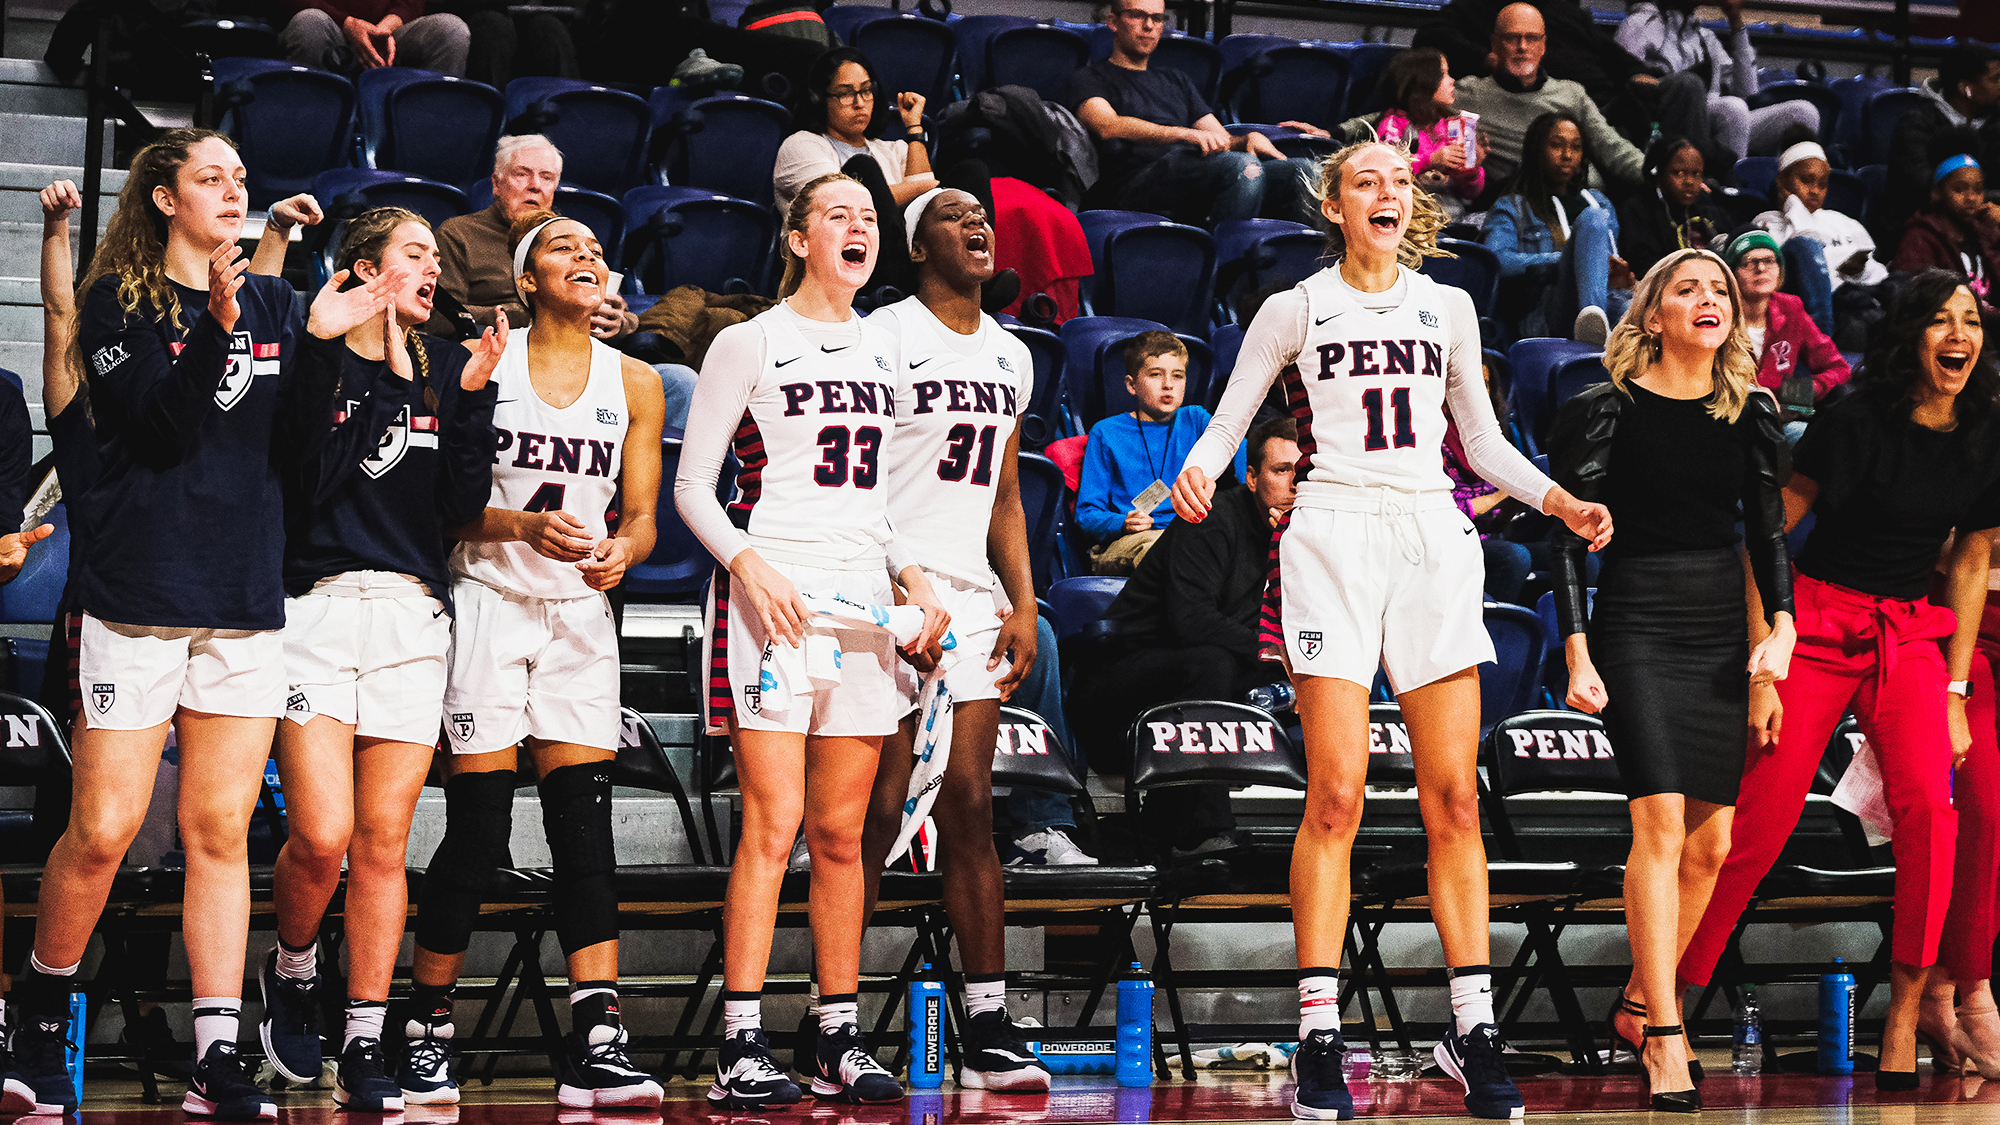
[{"x": 1160, "y": 147}]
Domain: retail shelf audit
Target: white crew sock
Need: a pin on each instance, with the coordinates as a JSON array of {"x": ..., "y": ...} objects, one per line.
[
  {"x": 364, "y": 1021},
  {"x": 983, "y": 996},
  {"x": 1471, "y": 997},
  {"x": 1319, "y": 1001},
  {"x": 298, "y": 964},
  {"x": 837, "y": 1010},
  {"x": 215, "y": 1021},
  {"x": 742, "y": 1011}
]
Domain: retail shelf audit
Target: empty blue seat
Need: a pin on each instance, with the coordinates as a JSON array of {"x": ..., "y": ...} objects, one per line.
[
  {"x": 1508, "y": 686},
  {"x": 687, "y": 236},
  {"x": 1574, "y": 375},
  {"x": 911, "y": 53},
  {"x": 1475, "y": 269},
  {"x": 1296, "y": 82},
  {"x": 972, "y": 34},
  {"x": 1846, "y": 192},
  {"x": 679, "y": 565},
  {"x": 289, "y": 122},
  {"x": 1040, "y": 423},
  {"x": 1041, "y": 57},
  {"x": 845, "y": 20},
  {"x": 727, "y": 144},
  {"x": 1758, "y": 174},
  {"x": 1042, "y": 500},
  {"x": 1884, "y": 113},
  {"x": 604, "y": 215},
  {"x": 601, "y": 132},
  {"x": 1534, "y": 361},
  {"x": 1854, "y": 94},
  {"x": 1173, "y": 266},
  {"x": 1227, "y": 340},
  {"x": 431, "y": 125},
  {"x": 1238, "y": 49},
  {"x": 1077, "y": 602},
  {"x": 1365, "y": 64}
]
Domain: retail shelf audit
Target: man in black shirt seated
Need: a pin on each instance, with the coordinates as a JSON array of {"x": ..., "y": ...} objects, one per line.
[
  {"x": 1186, "y": 628},
  {"x": 1160, "y": 147}
]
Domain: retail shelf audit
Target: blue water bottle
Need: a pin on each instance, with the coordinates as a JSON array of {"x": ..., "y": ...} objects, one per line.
[
  {"x": 1836, "y": 1021},
  {"x": 1135, "y": 1028},
  {"x": 926, "y": 1031}
]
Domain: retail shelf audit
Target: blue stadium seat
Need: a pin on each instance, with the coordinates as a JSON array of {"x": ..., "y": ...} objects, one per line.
[
  {"x": 727, "y": 144},
  {"x": 1365, "y": 64},
  {"x": 973, "y": 33},
  {"x": 1240, "y": 48},
  {"x": 289, "y": 122},
  {"x": 1197, "y": 58},
  {"x": 1758, "y": 174},
  {"x": 1040, "y": 57},
  {"x": 1884, "y": 113},
  {"x": 913, "y": 53},
  {"x": 1823, "y": 98},
  {"x": 1296, "y": 82},
  {"x": 32, "y": 597},
  {"x": 1094, "y": 367},
  {"x": 1854, "y": 94},
  {"x": 687, "y": 236},
  {"x": 1227, "y": 340},
  {"x": 1040, "y": 421},
  {"x": 601, "y": 213},
  {"x": 1574, "y": 375},
  {"x": 1508, "y": 686},
  {"x": 1476, "y": 270},
  {"x": 1535, "y": 361},
  {"x": 1169, "y": 273},
  {"x": 1874, "y": 180},
  {"x": 601, "y": 132},
  {"x": 1846, "y": 192},
  {"x": 844, "y": 20},
  {"x": 1079, "y": 601},
  {"x": 447, "y": 126},
  {"x": 679, "y": 565},
  {"x": 1042, "y": 504},
  {"x": 346, "y": 192}
]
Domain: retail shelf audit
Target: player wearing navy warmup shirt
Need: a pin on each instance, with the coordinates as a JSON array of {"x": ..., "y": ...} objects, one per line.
[
  {"x": 1376, "y": 566},
  {"x": 187, "y": 361},
  {"x": 367, "y": 633}
]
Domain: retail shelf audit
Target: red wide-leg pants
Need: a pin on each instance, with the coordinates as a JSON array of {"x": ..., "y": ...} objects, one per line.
[{"x": 1973, "y": 921}]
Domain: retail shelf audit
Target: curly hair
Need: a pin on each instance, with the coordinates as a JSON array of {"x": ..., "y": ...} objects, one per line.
[
  {"x": 1894, "y": 366},
  {"x": 795, "y": 220},
  {"x": 1632, "y": 351},
  {"x": 134, "y": 247},
  {"x": 1420, "y": 237}
]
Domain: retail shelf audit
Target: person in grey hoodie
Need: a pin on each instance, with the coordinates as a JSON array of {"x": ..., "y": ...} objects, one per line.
[
  {"x": 1666, "y": 35},
  {"x": 1964, "y": 95}
]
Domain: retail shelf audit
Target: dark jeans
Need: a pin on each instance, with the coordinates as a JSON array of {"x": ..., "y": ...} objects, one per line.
[
  {"x": 1187, "y": 187},
  {"x": 1678, "y": 106},
  {"x": 1806, "y": 278},
  {"x": 1041, "y": 692},
  {"x": 1181, "y": 815}
]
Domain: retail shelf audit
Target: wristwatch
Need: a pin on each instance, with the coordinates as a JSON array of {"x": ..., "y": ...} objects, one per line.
[{"x": 1960, "y": 688}]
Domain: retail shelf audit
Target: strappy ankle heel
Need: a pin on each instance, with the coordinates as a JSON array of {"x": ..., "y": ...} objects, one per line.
[
  {"x": 1673, "y": 1101},
  {"x": 1631, "y": 1008}
]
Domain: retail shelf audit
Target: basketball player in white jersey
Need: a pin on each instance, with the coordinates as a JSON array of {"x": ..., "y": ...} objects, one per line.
[
  {"x": 955, "y": 499},
  {"x": 1376, "y": 565},
  {"x": 806, "y": 396},
  {"x": 534, "y": 656}
]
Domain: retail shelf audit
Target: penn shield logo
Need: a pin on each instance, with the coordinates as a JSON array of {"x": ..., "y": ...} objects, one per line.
[
  {"x": 247, "y": 360},
  {"x": 753, "y": 698},
  {"x": 882, "y": 363},
  {"x": 461, "y": 726},
  {"x": 298, "y": 702},
  {"x": 1310, "y": 644},
  {"x": 102, "y": 696},
  {"x": 403, "y": 433}
]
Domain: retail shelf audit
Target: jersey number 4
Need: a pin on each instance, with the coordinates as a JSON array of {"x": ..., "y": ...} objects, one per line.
[
  {"x": 832, "y": 471},
  {"x": 958, "y": 455},
  {"x": 1399, "y": 401},
  {"x": 547, "y": 498}
]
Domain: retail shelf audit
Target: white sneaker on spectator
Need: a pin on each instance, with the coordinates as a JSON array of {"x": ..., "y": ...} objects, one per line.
[
  {"x": 1047, "y": 847},
  {"x": 1591, "y": 327}
]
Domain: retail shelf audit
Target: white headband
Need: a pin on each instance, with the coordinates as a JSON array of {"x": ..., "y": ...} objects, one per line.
[
  {"x": 1804, "y": 150},
  {"x": 521, "y": 254},
  {"x": 913, "y": 213}
]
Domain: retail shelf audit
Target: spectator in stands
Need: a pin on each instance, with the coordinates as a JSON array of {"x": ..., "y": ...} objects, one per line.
[
  {"x": 1957, "y": 231},
  {"x": 1823, "y": 248},
  {"x": 1186, "y": 628},
  {"x": 1557, "y": 239},
  {"x": 1161, "y": 147},
  {"x": 1578, "y": 49},
  {"x": 1671, "y": 214},
  {"x": 504, "y": 47},
  {"x": 350, "y": 36},
  {"x": 1964, "y": 95},
  {"x": 1448, "y": 151},
  {"x": 1131, "y": 456},
  {"x": 478, "y": 277},
  {"x": 1795, "y": 359},
  {"x": 1520, "y": 91},
  {"x": 1667, "y": 36},
  {"x": 17, "y": 446}
]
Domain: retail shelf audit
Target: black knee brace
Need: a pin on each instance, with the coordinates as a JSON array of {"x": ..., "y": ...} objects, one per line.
[
  {"x": 576, "y": 815},
  {"x": 478, "y": 819}
]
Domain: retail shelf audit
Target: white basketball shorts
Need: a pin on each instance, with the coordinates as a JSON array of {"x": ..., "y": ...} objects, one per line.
[
  {"x": 525, "y": 667},
  {"x": 975, "y": 625},
  {"x": 841, "y": 684},
  {"x": 369, "y": 649},
  {"x": 134, "y": 676}
]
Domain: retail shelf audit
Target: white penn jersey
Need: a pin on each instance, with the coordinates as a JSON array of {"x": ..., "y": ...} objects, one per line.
[
  {"x": 1369, "y": 376},
  {"x": 548, "y": 460},
  {"x": 959, "y": 401}
]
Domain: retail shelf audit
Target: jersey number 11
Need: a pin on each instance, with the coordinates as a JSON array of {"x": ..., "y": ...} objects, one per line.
[{"x": 1399, "y": 400}]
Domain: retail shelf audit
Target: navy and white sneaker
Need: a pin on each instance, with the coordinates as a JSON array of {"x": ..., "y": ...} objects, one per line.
[
  {"x": 221, "y": 1088},
  {"x": 848, "y": 1073},
  {"x": 746, "y": 1077},
  {"x": 423, "y": 1071},
  {"x": 37, "y": 1078},
  {"x": 1475, "y": 1060},
  {"x": 1319, "y": 1090},
  {"x": 997, "y": 1057},
  {"x": 362, "y": 1084},
  {"x": 596, "y": 1073},
  {"x": 290, "y": 1027}
]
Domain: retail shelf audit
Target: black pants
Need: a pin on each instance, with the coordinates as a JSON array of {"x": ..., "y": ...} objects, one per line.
[
  {"x": 539, "y": 46},
  {"x": 1679, "y": 106},
  {"x": 1180, "y": 815},
  {"x": 892, "y": 261}
]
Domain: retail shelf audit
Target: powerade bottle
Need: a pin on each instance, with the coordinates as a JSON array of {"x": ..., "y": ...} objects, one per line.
[
  {"x": 1135, "y": 1027},
  {"x": 926, "y": 1031},
  {"x": 1836, "y": 1021}
]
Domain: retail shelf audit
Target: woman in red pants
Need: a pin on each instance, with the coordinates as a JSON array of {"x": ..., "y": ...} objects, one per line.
[{"x": 1889, "y": 473}]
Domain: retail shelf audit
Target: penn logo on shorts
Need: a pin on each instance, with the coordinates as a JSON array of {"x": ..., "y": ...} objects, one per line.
[
  {"x": 298, "y": 702},
  {"x": 753, "y": 698},
  {"x": 1309, "y": 644},
  {"x": 102, "y": 695},
  {"x": 461, "y": 726}
]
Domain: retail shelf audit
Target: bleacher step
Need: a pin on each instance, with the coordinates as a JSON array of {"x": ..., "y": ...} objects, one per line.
[
  {"x": 26, "y": 72},
  {"x": 55, "y": 101},
  {"x": 33, "y": 139}
]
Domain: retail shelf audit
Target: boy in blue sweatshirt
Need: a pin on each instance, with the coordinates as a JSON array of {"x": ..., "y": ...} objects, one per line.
[{"x": 1130, "y": 453}]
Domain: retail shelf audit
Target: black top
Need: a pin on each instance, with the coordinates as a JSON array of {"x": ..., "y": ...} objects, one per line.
[
  {"x": 190, "y": 436},
  {"x": 1201, "y": 583},
  {"x": 1650, "y": 227},
  {"x": 1890, "y": 490},
  {"x": 17, "y": 450},
  {"x": 1675, "y": 480},
  {"x": 75, "y": 460},
  {"x": 1677, "y": 477},
  {"x": 407, "y": 461},
  {"x": 1163, "y": 97}
]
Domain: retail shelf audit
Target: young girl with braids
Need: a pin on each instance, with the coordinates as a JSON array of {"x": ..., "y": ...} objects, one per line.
[
  {"x": 407, "y": 457},
  {"x": 1377, "y": 566}
]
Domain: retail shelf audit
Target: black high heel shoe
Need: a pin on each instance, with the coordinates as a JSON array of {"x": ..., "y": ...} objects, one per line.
[
  {"x": 1673, "y": 1101},
  {"x": 1626, "y": 1005}
]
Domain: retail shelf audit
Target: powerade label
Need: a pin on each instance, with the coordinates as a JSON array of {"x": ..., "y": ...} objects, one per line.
[
  {"x": 1098, "y": 1047},
  {"x": 933, "y": 1034}
]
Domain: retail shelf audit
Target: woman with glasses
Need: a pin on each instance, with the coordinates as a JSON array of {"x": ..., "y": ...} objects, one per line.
[{"x": 1794, "y": 358}]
